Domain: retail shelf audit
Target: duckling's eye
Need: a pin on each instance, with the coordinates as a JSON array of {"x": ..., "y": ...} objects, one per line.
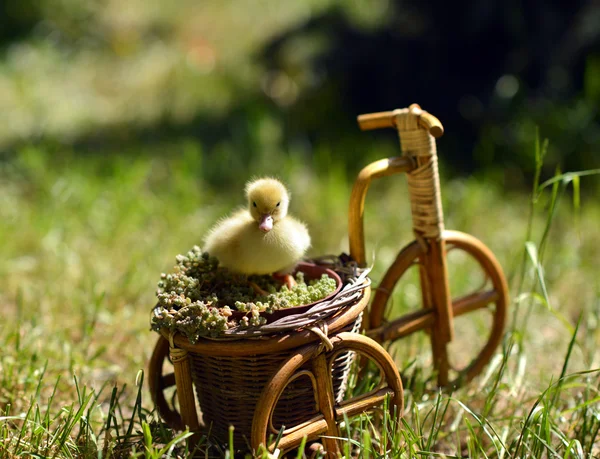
[
  {"x": 254, "y": 204},
  {"x": 278, "y": 204}
]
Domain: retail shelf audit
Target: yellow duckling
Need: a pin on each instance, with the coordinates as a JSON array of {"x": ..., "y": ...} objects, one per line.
[{"x": 262, "y": 239}]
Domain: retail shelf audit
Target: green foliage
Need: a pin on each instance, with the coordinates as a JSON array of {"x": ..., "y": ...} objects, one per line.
[
  {"x": 84, "y": 239},
  {"x": 198, "y": 297},
  {"x": 85, "y": 228}
]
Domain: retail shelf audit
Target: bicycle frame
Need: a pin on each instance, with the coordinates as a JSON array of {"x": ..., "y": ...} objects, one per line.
[{"x": 417, "y": 130}]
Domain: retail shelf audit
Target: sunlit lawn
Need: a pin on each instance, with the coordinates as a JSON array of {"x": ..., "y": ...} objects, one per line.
[{"x": 85, "y": 238}]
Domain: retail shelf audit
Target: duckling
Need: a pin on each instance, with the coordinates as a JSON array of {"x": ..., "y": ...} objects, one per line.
[{"x": 262, "y": 239}]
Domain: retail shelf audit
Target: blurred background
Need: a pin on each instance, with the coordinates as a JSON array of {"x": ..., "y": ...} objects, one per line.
[
  {"x": 239, "y": 77},
  {"x": 127, "y": 128}
]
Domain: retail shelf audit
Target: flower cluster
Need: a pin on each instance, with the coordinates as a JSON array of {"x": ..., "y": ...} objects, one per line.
[{"x": 198, "y": 297}]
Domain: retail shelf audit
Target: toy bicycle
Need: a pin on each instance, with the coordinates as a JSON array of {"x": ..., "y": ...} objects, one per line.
[
  {"x": 290, "y": 384},
  {"x": 417, "y": 130}
]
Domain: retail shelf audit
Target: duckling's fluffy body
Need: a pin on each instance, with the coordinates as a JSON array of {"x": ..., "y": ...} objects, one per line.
[{"x": 262, "y": 239}]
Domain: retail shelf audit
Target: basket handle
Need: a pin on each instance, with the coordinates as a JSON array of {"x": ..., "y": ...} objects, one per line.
[{"x": 381, "y": 120}]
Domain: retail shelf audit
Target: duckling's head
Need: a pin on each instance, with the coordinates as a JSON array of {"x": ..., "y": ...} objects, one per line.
[{"x": 268, "y": 202}]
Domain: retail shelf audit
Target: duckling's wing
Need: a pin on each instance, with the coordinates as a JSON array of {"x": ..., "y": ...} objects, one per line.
[
  {"x": 223, "y": 238},
  {"x": 296, "y": 239},
  {"x": 295, "y": 234},
  {"x": 292, "y": 241}
]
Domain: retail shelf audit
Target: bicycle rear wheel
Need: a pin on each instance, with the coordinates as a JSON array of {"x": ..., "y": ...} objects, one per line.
[{"x": 479, "y": 303}]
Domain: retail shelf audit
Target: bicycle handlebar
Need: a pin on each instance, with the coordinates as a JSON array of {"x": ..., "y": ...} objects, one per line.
[{"x": 381, "y": 120}]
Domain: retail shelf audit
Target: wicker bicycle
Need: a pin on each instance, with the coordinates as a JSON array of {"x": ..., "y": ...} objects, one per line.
[
  {"x": 295, "y": 376},
  {"x": 279, "y": 382},
  {"x": 417, "y": 130}
]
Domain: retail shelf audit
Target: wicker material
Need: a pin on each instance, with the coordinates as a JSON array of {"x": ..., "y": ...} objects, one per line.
[
  {"x": 230, "y": 372},
  {"x": 287, "y": 385},
  {"x": 228, "y": 388},
  {"x": 417, "y": 130},
  {"x": 423, "y": 181}
]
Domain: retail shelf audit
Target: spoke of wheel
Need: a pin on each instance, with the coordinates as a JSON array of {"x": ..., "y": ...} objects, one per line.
[
  {"x": 363, "y": 403},
  {"x": 474, "y": 301},
  {"x": 326, "y": 399},
  {"x": 168, "y": 381},
  {"x": 311, "y": 429},
  {"x": 439, "y": 351},
  {"x": 424, "y": 318},
  {"x": 406, "y": 325}
]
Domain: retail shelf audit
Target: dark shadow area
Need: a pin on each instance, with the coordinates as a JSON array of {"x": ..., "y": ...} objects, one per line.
[
  {"x": 490, "y": 70},
  {"x": 18, "y": 18},
  {"x": 480, "y": 66}
]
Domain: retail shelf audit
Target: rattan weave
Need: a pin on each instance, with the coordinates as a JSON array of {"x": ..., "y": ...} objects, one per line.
[
  {"x": 228, "y": 384},
  {"x": 228, "y": 388}
]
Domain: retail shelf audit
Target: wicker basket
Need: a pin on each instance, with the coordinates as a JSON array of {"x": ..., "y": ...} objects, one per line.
[
  {"x": 230, "y": 373},
  {"x": 228, "y": 388}
]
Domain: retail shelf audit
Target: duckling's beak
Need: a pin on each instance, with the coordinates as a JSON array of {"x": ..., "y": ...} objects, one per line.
[{"x": 266, "y": 223}]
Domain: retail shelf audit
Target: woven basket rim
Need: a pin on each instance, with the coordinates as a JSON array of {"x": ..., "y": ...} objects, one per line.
[
  {"x": 272, "y": 342},
  {"x": 326, "y": 312}
]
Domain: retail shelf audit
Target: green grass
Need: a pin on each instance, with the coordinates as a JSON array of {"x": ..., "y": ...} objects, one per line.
[
  {"x": 90, "y": 67},
  {"x": 85, "y": 239}
]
